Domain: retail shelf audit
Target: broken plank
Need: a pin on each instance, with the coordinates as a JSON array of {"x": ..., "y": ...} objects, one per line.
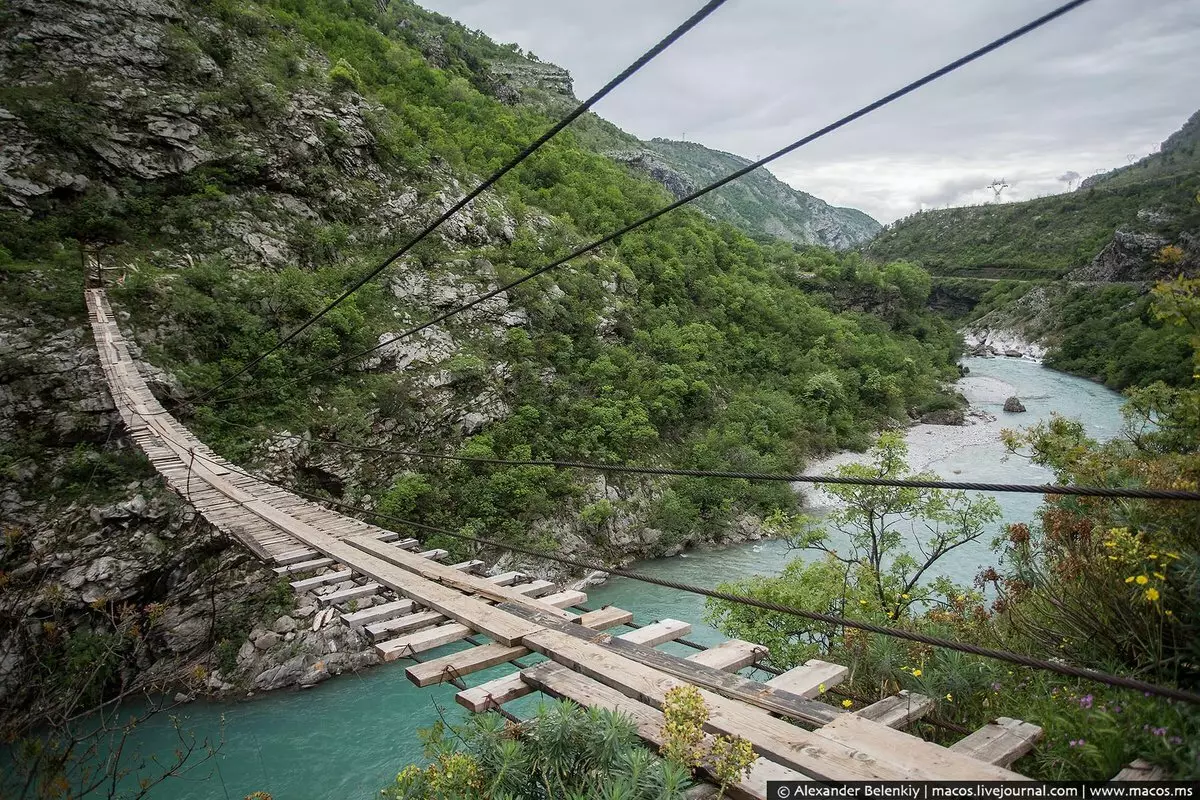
[
  {"x": 1001, "y": 742},
  {"x": 1141, "y": 770},
  {"x": 810, "y": 679},
  {"x": 667, "y": 630},
  {"x": 898, "y": 710},
  {"x": 321, "y": 580},
  {"x": 730, "y": 655},
  {"x": 493, "y": 694},
  {"x": 421, "y": 641},
  {"x": 607, "y": 617}
]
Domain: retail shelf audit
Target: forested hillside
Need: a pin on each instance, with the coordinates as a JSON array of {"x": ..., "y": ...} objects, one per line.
[
  {"x": 236, "y": 165},
  {"x": 1051, "y": 236}
]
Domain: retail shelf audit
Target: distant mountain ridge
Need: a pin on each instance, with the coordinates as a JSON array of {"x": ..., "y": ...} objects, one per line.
[{"x": 758, "y": 202}]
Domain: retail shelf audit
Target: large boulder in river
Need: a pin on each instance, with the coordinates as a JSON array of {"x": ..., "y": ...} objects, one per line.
[{"x": 1014, "y": 405}]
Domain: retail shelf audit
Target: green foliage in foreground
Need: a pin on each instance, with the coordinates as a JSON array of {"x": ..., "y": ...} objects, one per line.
[{"x": 562, "y": 752}]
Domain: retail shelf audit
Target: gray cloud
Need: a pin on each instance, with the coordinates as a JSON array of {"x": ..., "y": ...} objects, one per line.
[{"x": 1110, "y": 79}]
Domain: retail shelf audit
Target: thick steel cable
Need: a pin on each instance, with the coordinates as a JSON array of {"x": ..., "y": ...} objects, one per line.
[
  {"x": 971, "y": 486},
  {"x": 1118, "y": 681},
  {"x": 833, "y": 126},
  {"x": 583, "y": 107}
]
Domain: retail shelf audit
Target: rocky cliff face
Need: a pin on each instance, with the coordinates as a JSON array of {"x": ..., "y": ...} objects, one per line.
[{"x": 759, "y": 202}]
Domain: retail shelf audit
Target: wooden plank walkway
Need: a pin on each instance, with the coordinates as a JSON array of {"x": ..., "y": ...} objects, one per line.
[{"x": 415, "y": 604}]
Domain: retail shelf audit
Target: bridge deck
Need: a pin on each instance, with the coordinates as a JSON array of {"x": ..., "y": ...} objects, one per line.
[{"x": 433, "y": 604}]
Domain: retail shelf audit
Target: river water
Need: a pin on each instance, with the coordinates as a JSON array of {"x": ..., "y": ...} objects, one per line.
[{"x": 349, "y": 737}]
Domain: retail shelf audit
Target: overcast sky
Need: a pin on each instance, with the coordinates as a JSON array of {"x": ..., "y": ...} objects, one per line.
[{"x": 1104, "y": 83}]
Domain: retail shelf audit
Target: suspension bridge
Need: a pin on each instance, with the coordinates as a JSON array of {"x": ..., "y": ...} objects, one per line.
[{"x": 429, "y": 604}]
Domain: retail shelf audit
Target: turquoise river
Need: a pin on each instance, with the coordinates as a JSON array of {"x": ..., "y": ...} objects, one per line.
[{"x": 348, "y": 737}]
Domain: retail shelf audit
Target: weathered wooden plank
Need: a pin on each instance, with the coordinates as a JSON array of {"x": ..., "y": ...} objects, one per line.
[
  {"x": 607, "y": 617},
  {"x": 558, "y": 681},
  {"x": 421, "y": 641},
  {"x": 493, "y": 694},
  {"x": 380, "y": 612},
  {"x": 807, "y": 680},
  {"x": 304, "y": 566},
  {"x": 533, "y": 588},
  {"x": 565, "y": 599},
  {"x": 1141, "y": 770},
  {"x": 462, "y": 663},
  {"x": 667, "y": 630},
  {"x": 506, "y": 578},
  {"x": 320, "y": 580},
  {"x": 1001, "y": 742},
  {"x": 436, "y": 554},
  {"x": 353, "y": 593},
  {"x": 898, "y": 710},
  {"x": 730, "y": 655},
  {"x": 294, "y": 556},
  {"x": 404, "y": 624},
  {"x": 468, "y": 566},
  {"x": 734, "y": 686}
]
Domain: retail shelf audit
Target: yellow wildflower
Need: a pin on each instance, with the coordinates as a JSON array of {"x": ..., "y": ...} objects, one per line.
[
  {"x": 1129, "y": 579},
  {"x": 847, "y": 703},
  {"x": 1152, "y": 594},
  {"x": 862, "y": 602},
  {"x": 1141, "y": 580},
  {"x": 904, "y": 596},
  {"x": 1160, "y": 576},
  {"x": 1110, "y": 544},
  {"x": 1113, "y": 558},
  {"x": 821, "y": 688},
  {"x": 916, "y": 673},
  {"x": 949, "y": 697},
  {"x": 1152, "y": 556}
]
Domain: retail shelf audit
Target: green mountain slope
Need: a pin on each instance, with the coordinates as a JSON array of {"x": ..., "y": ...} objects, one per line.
[
  {"x": 1051, "y": 236},
  {"x": 759, "y": 203}
]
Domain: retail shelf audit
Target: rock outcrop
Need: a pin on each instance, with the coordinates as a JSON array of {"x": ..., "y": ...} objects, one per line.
[{"x": 1013, "y": 405}]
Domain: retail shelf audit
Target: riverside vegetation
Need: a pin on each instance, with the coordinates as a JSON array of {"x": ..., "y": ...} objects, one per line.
[{"x": 1111, "y": 585}]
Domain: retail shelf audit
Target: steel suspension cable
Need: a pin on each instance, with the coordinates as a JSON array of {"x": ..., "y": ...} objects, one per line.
[
  {"x": 1112, "y": 492},
  {"x": 833, "y": 126},
  {"x": 1118, "y": 681},
  {"x": 583, "y": 107}
]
